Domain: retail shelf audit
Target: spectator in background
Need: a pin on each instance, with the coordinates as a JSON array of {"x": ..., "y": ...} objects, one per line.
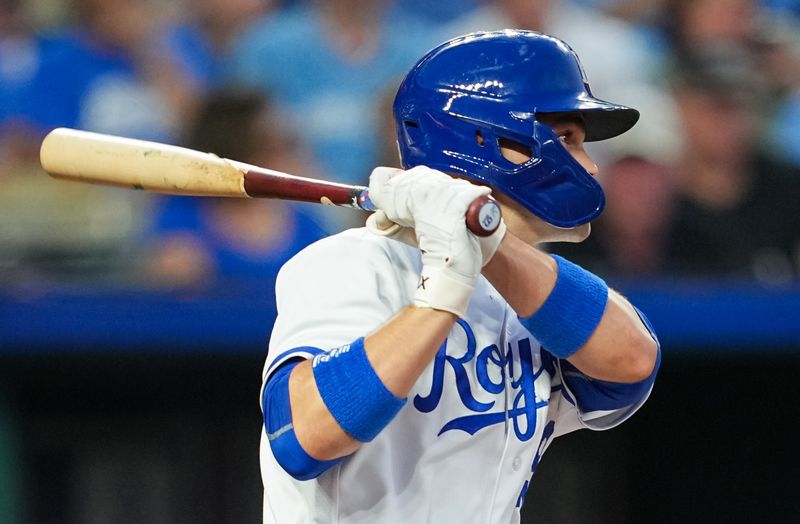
[
  {"x": 16, "y": 65},
  {"x": 21, "y": 53},
  {"x": 110, "y": 73},
  {"x": 693, "y": 22},
  {"x": 327, "y": 63},
  {"x": 203, "y": 241},
  {"x": 204, "y": 42},
  {"x": 646, "y": 17},
  {"x": 127, "y": 67},
  {"x": 771, "y": 36},
  {"x": 53, "y": 231},
  {"x": 737, "y": 212}
]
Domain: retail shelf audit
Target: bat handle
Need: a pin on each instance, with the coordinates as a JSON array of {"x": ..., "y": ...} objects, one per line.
[{"x": 483, "y": 214}]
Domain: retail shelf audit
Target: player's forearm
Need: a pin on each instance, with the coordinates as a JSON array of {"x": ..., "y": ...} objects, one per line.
[
  {"x": 402, "y": 349},
  {"x": 399, "y": 352},
  {"x": 523, "y": 275},
  {"x": 315, "y": 428},
  {"x": 619, "y": 350}
]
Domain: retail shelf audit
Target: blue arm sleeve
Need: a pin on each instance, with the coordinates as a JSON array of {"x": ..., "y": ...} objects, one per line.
[
  {"x": 600, "y": 395},
  {"x": 280, "y": 431}
]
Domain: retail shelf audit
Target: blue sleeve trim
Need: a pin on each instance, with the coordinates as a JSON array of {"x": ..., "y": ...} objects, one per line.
[
  {"x": 280, "y": 359},
  {"x": 571, "y": 313},
  {"x": 353, "y": 392},
  {"x": 600, "y": 395},
  {"x": 280, "y": 431},
  {"x": 647, "y": 324}
]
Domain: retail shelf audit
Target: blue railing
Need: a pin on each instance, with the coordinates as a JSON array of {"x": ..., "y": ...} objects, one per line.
[{"x": 688, "y": 316}]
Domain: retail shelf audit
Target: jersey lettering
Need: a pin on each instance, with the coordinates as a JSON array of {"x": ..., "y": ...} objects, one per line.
[
  {"x": 524, "y": 405},
  {"x": 548, "y": 432}
]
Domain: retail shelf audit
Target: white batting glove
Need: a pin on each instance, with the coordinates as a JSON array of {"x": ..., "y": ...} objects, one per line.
[
  {"x": 380, "y": 224},
  {"x": 435, "y": 206}
]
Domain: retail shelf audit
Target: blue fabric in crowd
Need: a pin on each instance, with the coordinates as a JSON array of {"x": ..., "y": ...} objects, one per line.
[
  {"x": 792, "y": 6},
  {"x": 434, "y": 12},
  {"x": 49, "y": 94},
  {"x": 200, "y": 62},
  {"x": 79, "y": 84},
  {"x": 19, "y": 64},
  {"x": 786, "y": 130},
  {"x": 335, "y": 100},
  {"x": 189, "y": 215}
]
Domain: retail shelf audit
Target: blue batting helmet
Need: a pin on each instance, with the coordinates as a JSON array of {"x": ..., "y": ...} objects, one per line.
[{"x": 461, "y": 98}]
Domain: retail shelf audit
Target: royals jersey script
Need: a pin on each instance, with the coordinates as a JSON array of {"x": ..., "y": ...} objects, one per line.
[{"x": 468, "y": 440}]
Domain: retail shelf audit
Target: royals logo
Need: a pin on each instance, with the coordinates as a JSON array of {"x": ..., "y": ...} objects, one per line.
[{"x": 494, "y": 369}]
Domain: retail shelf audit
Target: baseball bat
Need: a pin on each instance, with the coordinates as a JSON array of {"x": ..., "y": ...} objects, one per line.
[{"x": 98, "y": 158}]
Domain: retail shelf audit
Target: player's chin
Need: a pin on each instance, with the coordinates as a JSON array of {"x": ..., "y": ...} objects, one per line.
[{"x": 573, "y": 235}]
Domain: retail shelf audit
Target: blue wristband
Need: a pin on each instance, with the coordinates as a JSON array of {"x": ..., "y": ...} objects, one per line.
[
  {"x": 571, "y": 313},
  {"x": 353, "y": 392}
]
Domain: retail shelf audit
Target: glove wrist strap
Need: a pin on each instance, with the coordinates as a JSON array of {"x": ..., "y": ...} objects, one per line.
[{"x": 443, "y": 289}]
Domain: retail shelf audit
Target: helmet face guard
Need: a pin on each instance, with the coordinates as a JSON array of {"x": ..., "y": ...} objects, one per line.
[{"x": 464, "y": 96}]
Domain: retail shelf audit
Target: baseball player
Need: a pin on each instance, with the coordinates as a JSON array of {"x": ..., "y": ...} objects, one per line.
[{"x": 417, "y": 372}]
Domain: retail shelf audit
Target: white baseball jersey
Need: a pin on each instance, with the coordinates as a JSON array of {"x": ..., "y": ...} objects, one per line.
[{"x": 465, "y": 445}]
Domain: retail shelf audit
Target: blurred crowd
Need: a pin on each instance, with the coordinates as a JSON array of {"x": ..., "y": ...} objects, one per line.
[{"x": 706, "y": 185}]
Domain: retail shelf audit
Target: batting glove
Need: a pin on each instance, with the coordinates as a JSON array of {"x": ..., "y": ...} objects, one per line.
[
  {"x": 435, "y": 206},
  {"x": 380, "y": 224}
]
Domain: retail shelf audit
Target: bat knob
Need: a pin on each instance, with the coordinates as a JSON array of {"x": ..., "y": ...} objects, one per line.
[{"x": 483, "y": 216}]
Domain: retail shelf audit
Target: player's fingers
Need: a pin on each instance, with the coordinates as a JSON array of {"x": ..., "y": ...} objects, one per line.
[
  {"x": 456, "y": 196},
  {"x": 379, "y": 185},
  {"x": 422, "y": 186},
  {"x": 412, "y": 195},
  {"x": 380, "y": 224},
  {"x": 394, "y": 188},
  {"x": 468, "y": 192}
]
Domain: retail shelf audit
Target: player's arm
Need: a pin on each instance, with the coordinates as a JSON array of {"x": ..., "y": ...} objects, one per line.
[
  {"x": 613, "y": 343},
  {"x": 398, "y": 353},
  {"x": 322, "y": 409}
]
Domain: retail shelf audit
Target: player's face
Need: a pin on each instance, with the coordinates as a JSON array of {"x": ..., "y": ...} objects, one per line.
[{"x": 571, "y": 131}]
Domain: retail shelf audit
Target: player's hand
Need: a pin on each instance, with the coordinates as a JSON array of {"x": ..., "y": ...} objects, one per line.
[
  {"x": 380, "y": 224},
  {"x": 435, "y": 206}
]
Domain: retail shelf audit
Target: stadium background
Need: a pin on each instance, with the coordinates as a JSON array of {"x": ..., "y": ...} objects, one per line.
[{"x": 133, "y": 327}]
